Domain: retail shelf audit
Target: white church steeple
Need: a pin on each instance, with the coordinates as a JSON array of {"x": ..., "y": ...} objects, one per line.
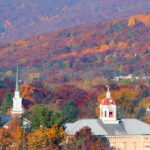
[{"x": 17, "y": 100}]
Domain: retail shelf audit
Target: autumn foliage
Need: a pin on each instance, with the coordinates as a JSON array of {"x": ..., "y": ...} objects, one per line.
[
  {"x": 112, "y": 48},
  {"x": 125, "y": 99},
  {"x": 83, "y": 139},
  {"x": 15, "y": 137}
]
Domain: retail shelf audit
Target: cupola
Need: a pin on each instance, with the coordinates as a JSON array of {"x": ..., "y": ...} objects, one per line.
[{"x": 108, "y": 109}]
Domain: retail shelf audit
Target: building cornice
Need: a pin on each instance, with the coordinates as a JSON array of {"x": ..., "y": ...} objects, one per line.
[{"x": 127, "y": 136}]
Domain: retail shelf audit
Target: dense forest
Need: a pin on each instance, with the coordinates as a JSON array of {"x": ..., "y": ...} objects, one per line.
[
  {"x": 119, "y": 47},
  {"x": 25, "y": 18},
  {"x": 73, "y": 102}
]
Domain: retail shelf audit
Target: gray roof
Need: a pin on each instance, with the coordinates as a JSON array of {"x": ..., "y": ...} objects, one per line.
[
  {"x": 5, "y": 119},
  {"x": 124, "y": 127}
]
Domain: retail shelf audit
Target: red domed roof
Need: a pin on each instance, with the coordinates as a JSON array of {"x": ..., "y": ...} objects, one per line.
[{"x": 108, "y": 101}]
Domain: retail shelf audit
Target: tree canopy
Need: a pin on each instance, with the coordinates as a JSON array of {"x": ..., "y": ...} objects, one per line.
[
  {"x": 70, "y": 112},
  {"x": 7, "y": 102},
  {"x": 40, "y": 115}
]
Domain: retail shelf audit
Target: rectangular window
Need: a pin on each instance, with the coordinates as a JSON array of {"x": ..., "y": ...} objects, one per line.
[{"x": 110, "y": 114}]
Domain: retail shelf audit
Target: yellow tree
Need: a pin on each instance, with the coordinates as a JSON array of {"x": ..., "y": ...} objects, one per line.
[
  {"x": 55, "y": 136},
  {"x": 20, "y": 139},
  {"x": 48, "y": 138},
  {"x": 131, "y": 21},
  {"x": 26, "y": 92},
  {"x": 35, "y": 140},
  {"x": 145, "y": 102}
]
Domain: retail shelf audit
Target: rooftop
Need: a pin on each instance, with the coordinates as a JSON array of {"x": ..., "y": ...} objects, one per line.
[
  {"x": 124, "y": 127},
  {"x": 5, "y": 119}
]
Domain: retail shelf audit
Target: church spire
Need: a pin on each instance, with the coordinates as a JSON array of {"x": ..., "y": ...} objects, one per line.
[
  {"x": 108, "y": 95},
  {"x": 17, "y": 80},
  {"x": 17, "y": 100}
]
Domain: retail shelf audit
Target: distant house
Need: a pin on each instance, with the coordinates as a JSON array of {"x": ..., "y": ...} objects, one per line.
[
  {"x": 124, "y": 134},
  {"x": 131, "y": 77},
  {"x": 117, "y": 78}
]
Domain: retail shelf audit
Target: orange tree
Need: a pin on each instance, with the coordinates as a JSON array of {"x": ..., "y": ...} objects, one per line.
[
  {"x": 13, "y": 137},
  {"x": 5, "y": 138},
  {"x": 26, "y": 92},
  {"x": 46, "y": 139},
  {"x": 49, "y": 138}
]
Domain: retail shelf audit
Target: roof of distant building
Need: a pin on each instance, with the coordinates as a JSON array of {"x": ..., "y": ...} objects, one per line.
[
  {"x": 124, "y": 127},
  {"x": 5, "y": 119}
]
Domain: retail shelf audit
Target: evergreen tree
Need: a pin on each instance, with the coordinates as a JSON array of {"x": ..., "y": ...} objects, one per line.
[
  {"x": 69, "y": 111},
  {"x": 145, "y": 93},
  {"x": 7, "y": 102},
  {"x": 42, "y": 116}
]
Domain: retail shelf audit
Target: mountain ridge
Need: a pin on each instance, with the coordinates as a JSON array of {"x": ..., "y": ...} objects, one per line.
[{"x": 22, "y": 19}]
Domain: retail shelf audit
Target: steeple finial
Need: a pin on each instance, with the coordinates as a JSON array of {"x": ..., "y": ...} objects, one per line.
[
  {"x": 108, "y": 93},
  {"x": 17, "y": 80}
]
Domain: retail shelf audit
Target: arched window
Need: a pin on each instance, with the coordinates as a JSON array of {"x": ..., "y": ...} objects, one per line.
[{"x": 105, "y": 113}]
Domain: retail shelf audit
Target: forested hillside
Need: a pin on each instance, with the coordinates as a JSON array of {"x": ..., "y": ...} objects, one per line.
[
  {"x": 103, "y": 50},
  {"x": 67, "y": 70},
  {"x": 25, "y": 18}
]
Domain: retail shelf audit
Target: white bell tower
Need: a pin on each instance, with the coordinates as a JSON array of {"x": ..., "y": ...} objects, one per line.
[
  {"x": 108, "y": 109},
  {"x": 17, "y": 100}
]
